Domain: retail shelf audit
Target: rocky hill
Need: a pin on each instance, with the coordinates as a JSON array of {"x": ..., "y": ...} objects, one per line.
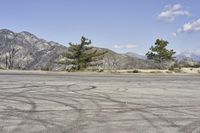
[
  {"x": 195, "y": 56},
  {"x": 188, "y": 58},
  {"x": 34, "y": 53},
  {"x": 135, "y": 55}
]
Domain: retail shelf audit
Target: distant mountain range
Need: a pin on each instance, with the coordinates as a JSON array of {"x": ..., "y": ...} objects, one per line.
[
  {"x": 135, "y": 55},
  {"x": 38, "y": 54},
  {"x": 195, "y": 56},
  {"x": 187, "y": 55}
]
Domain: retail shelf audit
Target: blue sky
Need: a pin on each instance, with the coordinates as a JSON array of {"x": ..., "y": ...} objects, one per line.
[{"x": 120, "y": 25}]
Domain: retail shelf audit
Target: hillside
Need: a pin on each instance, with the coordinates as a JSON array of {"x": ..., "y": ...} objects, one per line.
[
  {"x": 38, "y": 54},
  {"x": 188, "y": 58},
  {"x": 34, "y": 53},
  {"x": 131, "y": 54}
]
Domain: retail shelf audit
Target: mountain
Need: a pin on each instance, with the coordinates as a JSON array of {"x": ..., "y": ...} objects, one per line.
[
  {"x": 35, "y": 53},
  {"x": 113, "y": 60},
  {"x": 131, "y": 54},
  {"x": 195, "y": 56}
]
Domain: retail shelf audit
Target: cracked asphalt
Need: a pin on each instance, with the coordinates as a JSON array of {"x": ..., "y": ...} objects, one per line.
[{"x": 79, "y": 103}]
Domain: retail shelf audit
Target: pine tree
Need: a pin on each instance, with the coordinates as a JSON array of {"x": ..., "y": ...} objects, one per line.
[
  {"x": 82, "y": 55},
  {"x": 159, "y": 53}
]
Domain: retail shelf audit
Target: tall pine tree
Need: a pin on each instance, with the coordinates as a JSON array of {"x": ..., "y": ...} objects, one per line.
[{"x": 82, "y": 55}]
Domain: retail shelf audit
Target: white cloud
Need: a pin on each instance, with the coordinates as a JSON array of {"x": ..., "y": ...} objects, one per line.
[
  {"x": 170, "y": 12},
  {"x": 128, "y": 46},
  {"x": 189, "y": 27},
  {"x": 174, "y": 34}
]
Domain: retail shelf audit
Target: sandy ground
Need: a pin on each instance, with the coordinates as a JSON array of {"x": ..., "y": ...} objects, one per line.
[
  {"x": 176, "y": 71},
  {"x": 157, "y": 71},
  {"x": 39, "y": 102}
]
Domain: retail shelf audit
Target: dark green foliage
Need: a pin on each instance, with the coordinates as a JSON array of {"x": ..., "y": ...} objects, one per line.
[
  {"x": 82, "y": 55},
  {"x": 159, "y": 52},
  {"x": 193, "y": 66},
  {"x": 133, "y": 71},
  {"x": 45, "y": 69}
]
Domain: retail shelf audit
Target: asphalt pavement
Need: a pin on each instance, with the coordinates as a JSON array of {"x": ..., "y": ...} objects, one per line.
[{"x": 99, "y": 103}]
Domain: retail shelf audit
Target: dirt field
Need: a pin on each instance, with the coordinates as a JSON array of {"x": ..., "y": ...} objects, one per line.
[{"x": 79, "y": 103}]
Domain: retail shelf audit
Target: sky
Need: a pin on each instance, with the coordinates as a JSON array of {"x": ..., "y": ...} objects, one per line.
[{"x": 120, "y": 25}]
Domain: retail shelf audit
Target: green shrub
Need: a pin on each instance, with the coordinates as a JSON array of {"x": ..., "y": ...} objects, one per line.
[
  {"x": 45, "y": 69},
  {"x": 177, "y": 70},
  {"x": 155, "y": 72},
  {"x": 1, "y": 68},
  {"x": 133, "y": 71},
  {"x": 169, "y": 71},
  {"x": 171, "y": 68},
  {"x": 100, "y": 70},
  {"x": 175, "y": 66}
]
